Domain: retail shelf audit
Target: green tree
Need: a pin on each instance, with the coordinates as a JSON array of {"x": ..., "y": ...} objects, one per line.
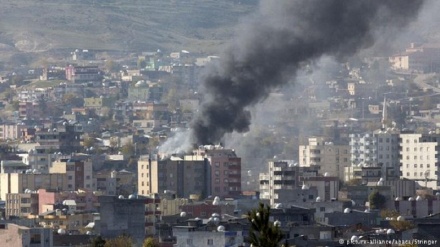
[
  {"x": 141, "y": 64},
  {"x": 42, "y": 104},
  {"x": 263, "y": 233},
  {"x": 426, "y": 103},
  {"x": 399, "y": 225},
  {"x": 15, "y": 105},
  {"x": 70, "y": 99},
  {"x": 354, "y": 182},
  {"x": 376, "y": 200},
  {"x": 9, "y": 95},
  {"x": 89, "y": 142},
  {"x": 121, "y": 241},
  {"x": 150, "y": 242},
  {"x": 111, "y": 66},
  {"x": 128, "y": 149},
  {"x": 98, "y": 242}
]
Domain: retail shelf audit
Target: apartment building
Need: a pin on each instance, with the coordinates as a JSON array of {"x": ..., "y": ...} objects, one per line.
[
  {"x": 21, "y": 204},
  {"x": 387, "y": 142},
  {"x": 363, "y": 149},
  {"x": 12, "y": 131},
  {"x": 284, "y": 182},
  {"x": 79, "y": 173},
  {"x": 63, "y": 137},
  {"x": 225, "y": 169},
  {"x": 19, "y": 182},
  {"x": 418, "y": 158},
  {"x": 183, "y": 175},
  {"x": 331, "y": 157},
  {"x": 83, "y": 74}
]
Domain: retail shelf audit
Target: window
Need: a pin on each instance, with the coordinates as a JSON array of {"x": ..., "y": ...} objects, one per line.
[
  {"x": 407, "y": 174},
  {"x": 69, "y": 177},
  {"x": 421, "y": 165},
  {"x": 217, "y": 180},
  {"x": 427, "y": 165},
  {"x": 210, "y": 242},
  {"x": 217, "y": 164},
  {"x": 415, "y": 165},
  {"x": 225, "y": 172}
]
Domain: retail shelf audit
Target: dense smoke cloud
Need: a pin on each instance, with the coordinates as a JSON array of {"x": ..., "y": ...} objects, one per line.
[{"x": 276, "y": 42}]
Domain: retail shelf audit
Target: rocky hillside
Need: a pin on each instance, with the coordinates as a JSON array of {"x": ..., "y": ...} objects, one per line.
[{"x": 121, "y": 25}]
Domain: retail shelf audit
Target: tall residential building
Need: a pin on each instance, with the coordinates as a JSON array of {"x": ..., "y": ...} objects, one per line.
[
  {"x": 281, "y": 176},
  {"x": 282, "y": 182},
  {"x": 363, "y": 149},
  {"x": 418, "y": 158},
  {"x": 331, "y": 157},
  {"x": 63, "y": 137},
  {"x": 79, "y": 173},
  {"x": 184, "y": 176},
  {"x": 21, "y": 204},
  {"x": 380, "y": 148},
  {"x": 19, "y": 182},
  {"x": 12, "y": 131},
  {"x": 80, "y": 74},
  {"x": 388, "y": 151},
  {"x": 225, "y": 170}
]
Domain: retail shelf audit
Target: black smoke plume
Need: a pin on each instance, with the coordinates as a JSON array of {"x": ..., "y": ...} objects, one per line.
[{"x": 276, "y": 42}]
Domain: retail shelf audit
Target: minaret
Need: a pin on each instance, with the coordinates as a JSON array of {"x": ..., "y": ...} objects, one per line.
[{"x": 384, "y": 113}]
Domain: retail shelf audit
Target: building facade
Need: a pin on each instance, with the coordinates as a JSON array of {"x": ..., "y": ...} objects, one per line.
[
  {"x": 332, "y": 158},
  {"x": 79, "y": 173},
  {"x": 185, "y": 176}
]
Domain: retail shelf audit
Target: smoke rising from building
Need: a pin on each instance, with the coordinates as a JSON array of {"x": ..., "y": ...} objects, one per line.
[{"x": 276, "y": 42}]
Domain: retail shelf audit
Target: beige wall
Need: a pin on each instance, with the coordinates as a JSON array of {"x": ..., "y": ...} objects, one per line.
[
  {"x": 17, "y": 182},
  {"x": 147, "y": 177},
  {"x": 14, "y": 235}
]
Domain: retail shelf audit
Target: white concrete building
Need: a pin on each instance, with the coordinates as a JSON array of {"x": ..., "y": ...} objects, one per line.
[
  {"x": 418, "y": 159},
  {"x": 363, "y": 149},
  {"x": 388, "y": 150}
]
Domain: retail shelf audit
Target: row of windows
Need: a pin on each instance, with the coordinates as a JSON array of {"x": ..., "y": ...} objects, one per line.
[
  {"x": 421, "y": 166},
  {"x": 421, "y": 174},
  {"x": 415, "y": 157}
]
